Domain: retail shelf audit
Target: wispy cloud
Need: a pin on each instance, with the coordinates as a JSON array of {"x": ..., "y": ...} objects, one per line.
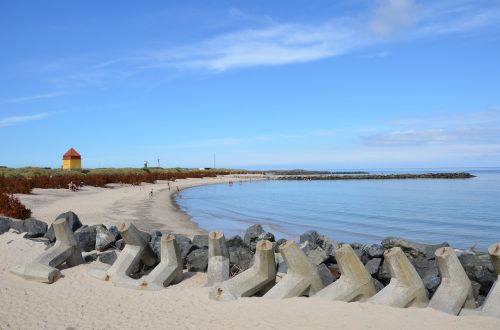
[
  {"x": 285, "y": 43},
  {"x": 34, "y": 97},
  {"x": 469, "y": 128},
  {"x": 14, "y": 120}
]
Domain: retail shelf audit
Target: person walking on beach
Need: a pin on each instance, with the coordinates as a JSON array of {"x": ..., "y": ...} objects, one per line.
[{"x": 151, "y": 194}]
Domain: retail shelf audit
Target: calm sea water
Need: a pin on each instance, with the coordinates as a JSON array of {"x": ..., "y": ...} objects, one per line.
[{"x": 462, "y": 212}]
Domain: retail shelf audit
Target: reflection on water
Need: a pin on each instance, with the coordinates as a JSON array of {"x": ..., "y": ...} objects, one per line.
[{"x": 462, "y": 212}]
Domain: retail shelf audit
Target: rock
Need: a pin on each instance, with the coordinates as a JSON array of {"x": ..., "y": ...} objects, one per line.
[
  {"x": 120, "y": 244},
  {"x": 317, "y": 256},
  {"x": 185, "y": 247},
  {"x": 155, "y": 242},
  {"x": 476, "y": 287},
  {"x": 4, "y": 225},
  {"x": 201, "y": 241},
  {"x": 197, "y": 260},
  {"x": 235, "y": 241},
  {"x": 424, "y": 266},
  {"x": 104, "y": 239},
  {"x": 361, "y": 255},
  {"x": 86, "y": 237},
  {"x": 251, "y": 235},
  {"x": 478, "y": 270},
  {"x": 90, "y": 257},
  {"x": 329, "y": 246},
  {"x": 480, "y": 300},
  {"x": 383, "y": 273},
  {"x": 241, "y": 257},
  {"x": 313, "y": 237},
  {"x": 325, "y": 274},
  {"x": 108, "y": 257},
  {"x": 373, "y": 265},
  {"x": 378, "y": 285},
  {"x": 280, "y": 241},
  {"x": 71, "y": 218},
  {"x": 114, "y": 231},
  {"x": 373, "y": 251},
  {"x": 431, "y": 282},
  {"x": 411, "y": 248},
  {"x": 33, "y": 227},
  {"x": 266, "y": 236}
]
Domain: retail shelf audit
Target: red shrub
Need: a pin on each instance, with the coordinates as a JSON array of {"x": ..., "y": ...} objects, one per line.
[{"x": 12, "y": 207}]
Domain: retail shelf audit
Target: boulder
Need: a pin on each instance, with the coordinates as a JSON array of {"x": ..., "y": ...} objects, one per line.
[
  {"x": 431, "y": 283},
  {"x": 317, "y": 256},
  {"x": 114, "y": 231},
  {"x": 71, "y": 218},
  {"x": 361, "y": 255},
  {"x": 383, "y": 273},
  {"x": 378, "y": 285},
  {"x": 313, "y": 237},
  {"x": 185, "y": 247},
  {"x": 235, "y": 241},
  {"x": 241, "y": 257},
  {"x": 251, "y": 236},
  {"x": 154, "y": 242},
  {"x": 120, "y": 244},
  {"x": 479, "y": 270},
  {"x": 201, "y": 241},
  {"x": 90, "y": 257},
  {"x": 373, "y": 265},
  {"x": 412, "y": 249},
  {"x": 4, "y": 225},
  {"x": 33, "y": 227},
  {"x": 325, "y": 274},
  {"x": 108, "y": 257},
  {"x": 373, "y": 251},
  {"x": 280, "y": 263},
  {"x": 86, "y": 237},
  {"x": 329, "y": 246},
  {"x": 197, "y": 260},
  {"x": 104, "y": 239}
]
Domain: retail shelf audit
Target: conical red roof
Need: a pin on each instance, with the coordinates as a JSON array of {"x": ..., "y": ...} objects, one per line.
[{"x": 71, "y": 153}]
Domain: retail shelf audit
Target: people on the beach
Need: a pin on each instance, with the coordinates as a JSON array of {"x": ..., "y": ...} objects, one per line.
[
  {"x": 151, "y": 194},
  {"x": 72, "y": 186}
]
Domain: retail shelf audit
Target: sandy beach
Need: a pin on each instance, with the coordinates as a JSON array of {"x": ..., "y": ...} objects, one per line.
[{"x": 80, "y": 301}]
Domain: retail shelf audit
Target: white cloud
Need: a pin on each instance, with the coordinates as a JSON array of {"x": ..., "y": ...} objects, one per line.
[
  {"x": 34, "y": 97},
  {"x": 10, "y": 121},
  {"x": 391, "y": 15}
]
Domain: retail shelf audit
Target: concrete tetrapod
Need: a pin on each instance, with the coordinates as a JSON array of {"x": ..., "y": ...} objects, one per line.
[
  {"x": 406, "y": 288},
  {"x": 455, "y": 290},
  {"x": 259, "y": 277},
  {"x": 218, "y": 258},
  {"x": 168, "y": 271},
  {"x": 355, "y": 284},
  {"x": 136, "y": 250},
  {"x": 66, "y": 249},
  {"x": 491, "y": 306},
  {"x": 302, "y": 277}
]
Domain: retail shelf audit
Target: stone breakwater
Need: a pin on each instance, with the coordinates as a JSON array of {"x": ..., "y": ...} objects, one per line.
[
  {"x": 105, "y": 244},
  {"x": 461, "y": 175}
]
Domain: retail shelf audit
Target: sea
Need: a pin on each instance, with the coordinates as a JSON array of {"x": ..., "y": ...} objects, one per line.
[{"x": 463, "y": 212}]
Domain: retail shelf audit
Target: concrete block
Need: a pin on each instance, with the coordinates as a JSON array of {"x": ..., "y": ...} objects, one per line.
[
  {"x": 261, "y": 276},
  {"x": 455, "y": 290},
  {"x": 301, "y": 279},
  {"x": 65, "y": 250},
  {"x": 354, "y": 284},
  {"x": 491, "y": 305},
  {"x": 406, "y": 288},
  {"x": 136, "y": 250},
  {"x": 218, "y": 258}
]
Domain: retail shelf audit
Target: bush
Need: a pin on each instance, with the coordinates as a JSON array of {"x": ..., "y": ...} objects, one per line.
[{"x": 12, "y": 207}]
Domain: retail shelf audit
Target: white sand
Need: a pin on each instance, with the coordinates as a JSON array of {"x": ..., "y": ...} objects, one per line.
[
  {"x": 80, "y": 301},
  {"x": 123, "y": 203}
]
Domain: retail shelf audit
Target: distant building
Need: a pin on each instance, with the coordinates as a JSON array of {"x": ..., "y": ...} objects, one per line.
[{"x": 72, "y": 160}]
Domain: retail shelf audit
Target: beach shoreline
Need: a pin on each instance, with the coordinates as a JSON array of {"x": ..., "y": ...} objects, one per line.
[{"x": 118, "y": 204}]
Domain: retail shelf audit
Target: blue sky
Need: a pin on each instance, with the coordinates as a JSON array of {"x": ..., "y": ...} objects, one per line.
[{"x": 262, "y": 84}]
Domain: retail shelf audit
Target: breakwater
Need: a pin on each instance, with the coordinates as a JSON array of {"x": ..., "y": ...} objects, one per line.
[{"x": 460, "y": 175}]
